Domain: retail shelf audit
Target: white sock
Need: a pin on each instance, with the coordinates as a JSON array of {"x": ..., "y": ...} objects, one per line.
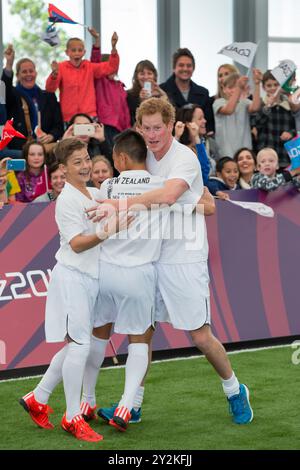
[
  {"x": 92, "y": 367},
  {"x": 72, "y": 371},
  {"x": 139, "y": 397},
  {"x": 231, "y": 386},
  {"x": 136, "y": 366},
  {"x": 51, "y": 378}
]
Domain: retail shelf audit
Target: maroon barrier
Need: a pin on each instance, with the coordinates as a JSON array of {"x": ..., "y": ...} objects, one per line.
[{"x": 253, "y": 264}]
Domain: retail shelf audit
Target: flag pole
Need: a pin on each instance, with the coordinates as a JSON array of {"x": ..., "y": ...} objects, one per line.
[{"x": 46, "y": 178}]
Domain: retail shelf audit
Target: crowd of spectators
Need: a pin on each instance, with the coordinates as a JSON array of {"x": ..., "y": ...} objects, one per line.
[{"x": 225, "y": 130}]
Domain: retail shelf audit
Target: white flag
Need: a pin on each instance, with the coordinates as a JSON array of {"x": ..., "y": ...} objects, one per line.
[
  {"x": 51, "y": 37},
  {"x": 283, "y": 72},
  {"x": 241, "y": 52},
  {"x": 258, "y": 207}
]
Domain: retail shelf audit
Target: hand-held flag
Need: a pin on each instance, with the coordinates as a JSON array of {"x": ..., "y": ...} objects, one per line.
[
  {"x": 58, "y": 16},
  {"x": 283, "y": 74},
  {"x": 241, "y": 52},
  {"x": 8, "y": 133}
]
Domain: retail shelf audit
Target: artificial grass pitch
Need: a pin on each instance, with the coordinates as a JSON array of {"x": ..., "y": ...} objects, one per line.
[{"x": 184, "y": 408}]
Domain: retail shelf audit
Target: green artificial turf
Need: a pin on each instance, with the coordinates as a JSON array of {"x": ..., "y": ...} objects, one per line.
[{"x": 184, "y": 408}]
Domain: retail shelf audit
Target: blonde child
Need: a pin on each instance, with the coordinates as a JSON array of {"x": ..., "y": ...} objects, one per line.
[
  {"x": 75, "y": 78},
  {"x": 267, "y": 177},
  {"x": 232, "y": 113}
]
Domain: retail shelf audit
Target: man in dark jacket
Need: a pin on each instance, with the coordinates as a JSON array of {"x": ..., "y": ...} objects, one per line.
[{"x": 181, "y": 90}]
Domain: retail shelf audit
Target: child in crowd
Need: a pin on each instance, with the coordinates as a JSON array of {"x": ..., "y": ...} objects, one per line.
[
  {"x": 232, "y": 113},
  {"x": 223, "y": 72},
  {"x": 34, "y": 180},
  {"x": 227, "y": 178},
  {"x": 57, "y": 180},
  {"x": 111, "y": 97},
  {"x": 75, "y": 78},
  {"x": 246, "y": 162},
  {"x": 274, "y": 124},
  {"x": 267, "y": 177},
  {"x": 101, "y": 170},
  {"x": 72, "y": 293}
]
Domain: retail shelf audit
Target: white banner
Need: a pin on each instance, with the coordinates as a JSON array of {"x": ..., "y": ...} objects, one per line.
[
  {"x": 283, "y": 72},
  {"x": 241, "y": 52},
  {"x": 258, "y": 207}
]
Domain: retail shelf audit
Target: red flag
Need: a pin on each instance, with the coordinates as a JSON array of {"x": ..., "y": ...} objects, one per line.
[
  {"x": 8, "y": 133},
  {"x": 57, "y": 16}
]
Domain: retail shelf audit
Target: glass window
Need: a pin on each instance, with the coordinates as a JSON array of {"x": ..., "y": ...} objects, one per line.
[
  {"x": 281, "y": 51},
  {"x": 284, "y": 18},
  {"x": 206, "y": 27},
  {"x": 23, "y": 28},
  {"x": 136, "y": 25}
]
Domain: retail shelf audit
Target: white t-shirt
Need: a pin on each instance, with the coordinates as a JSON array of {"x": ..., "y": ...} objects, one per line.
[
  {"x": 141, "y": 243},
  {"x": 232, "y": 131},
  {"x": 71, "y": 220},
  {"x": 188, "y": 238}
]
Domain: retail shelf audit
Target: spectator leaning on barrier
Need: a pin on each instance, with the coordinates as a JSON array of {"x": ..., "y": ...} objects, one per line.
[
  {"x": 226, "y": 179},
  {"x": 267, "y": 177},
  {"x": 246, "y": 161}
]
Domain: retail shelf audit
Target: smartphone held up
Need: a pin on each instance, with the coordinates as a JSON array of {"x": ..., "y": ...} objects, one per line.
[
  {"x": 84, "y": 129},
  {"x": 17, "y": 164}
]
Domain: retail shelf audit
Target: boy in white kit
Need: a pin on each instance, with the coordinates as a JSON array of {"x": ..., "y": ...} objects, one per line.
[
  {"x": 127, "y": 273},
  {"x": 183, "y": 280},
  {"x": 72, "y": 293}
]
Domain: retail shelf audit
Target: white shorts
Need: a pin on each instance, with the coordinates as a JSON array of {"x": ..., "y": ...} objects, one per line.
[
  {"x": 70, "y": 305},
  {"x": 126, "y": 298},
  {"x": 182, "y": 295}
]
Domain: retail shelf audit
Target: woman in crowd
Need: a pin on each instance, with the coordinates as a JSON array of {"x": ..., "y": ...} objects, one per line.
[
  {"x": 96, "y": 142},
  {"x": 101, "y": 171},
  {"x": 190, "y": 130},
  {"x": 144, "y": 72},
  {"x": 57, "y": 180},
  {"x": 36, "y": 112},
  {"x": 246, "y": 162}
]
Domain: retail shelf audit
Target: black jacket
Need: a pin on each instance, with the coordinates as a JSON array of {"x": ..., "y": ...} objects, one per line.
[
  {"x": 197, "y": 95},
  {"x": 51, "y": 117}
]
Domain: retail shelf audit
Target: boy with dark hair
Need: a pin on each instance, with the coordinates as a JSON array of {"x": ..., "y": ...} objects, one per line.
[
  {"x": 274, "y": 124},
  {"x": 72, "y": 293}
]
